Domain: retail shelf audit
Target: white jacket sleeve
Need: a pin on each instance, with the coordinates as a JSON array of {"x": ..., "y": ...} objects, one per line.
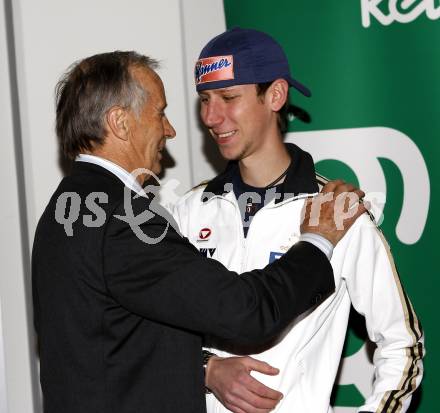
[{"x": 377, "y": 293}]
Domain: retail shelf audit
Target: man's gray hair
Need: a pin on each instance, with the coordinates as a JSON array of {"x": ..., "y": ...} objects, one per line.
[{"x": 89, "y": 89}]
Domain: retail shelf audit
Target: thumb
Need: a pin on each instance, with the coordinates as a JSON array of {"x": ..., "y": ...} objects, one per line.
[{"x": 262, "y": 367}]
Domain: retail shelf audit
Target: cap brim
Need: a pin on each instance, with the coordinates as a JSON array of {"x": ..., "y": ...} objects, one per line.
[{"x": 300, "y": 87}]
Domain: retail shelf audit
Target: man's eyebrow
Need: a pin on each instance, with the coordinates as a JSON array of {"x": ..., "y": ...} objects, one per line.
[{"x": 220, "y": 91}]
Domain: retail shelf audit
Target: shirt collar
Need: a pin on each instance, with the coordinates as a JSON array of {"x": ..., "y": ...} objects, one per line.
[
  {"x": 128, "y": 179},
  {"x": 300, "y": 178}
]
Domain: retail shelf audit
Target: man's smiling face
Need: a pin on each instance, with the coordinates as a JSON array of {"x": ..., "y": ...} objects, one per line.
[
  {"x": 150, "y": 129},
  {"x": 237, "y": 119}
]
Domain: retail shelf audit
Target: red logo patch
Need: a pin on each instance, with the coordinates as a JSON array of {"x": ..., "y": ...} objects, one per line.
[
  {"x": 204, "y": 233},
  {"x": 213, "y": 69}
]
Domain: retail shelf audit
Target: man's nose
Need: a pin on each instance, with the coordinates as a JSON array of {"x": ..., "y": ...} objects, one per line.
[
  {"x": 168, "y": 129},
  {"x": 212, "y": 114}
]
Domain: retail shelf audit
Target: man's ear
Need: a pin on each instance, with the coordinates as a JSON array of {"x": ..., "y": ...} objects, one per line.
[
  {"x": 118, "y": 122},
  {"x": 279, "y": 92}
]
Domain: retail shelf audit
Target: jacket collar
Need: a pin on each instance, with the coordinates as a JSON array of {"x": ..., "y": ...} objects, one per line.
[
  {"x": 85, "y": 168},
  {"x": 300, "y": 178}
]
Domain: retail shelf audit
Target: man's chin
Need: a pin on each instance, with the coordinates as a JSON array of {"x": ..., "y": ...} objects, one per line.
[
  {"x": 156, "y": 169},
  {"x": 230, "y": 155}
]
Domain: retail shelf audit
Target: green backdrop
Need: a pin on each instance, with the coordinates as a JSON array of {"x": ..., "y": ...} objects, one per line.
[{"x": 372, "y": 66}]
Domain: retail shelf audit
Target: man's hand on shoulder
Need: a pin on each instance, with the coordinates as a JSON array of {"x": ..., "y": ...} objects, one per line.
[
  {"x": 231, "y": 382},
  {"x": 333, "y": 211}
]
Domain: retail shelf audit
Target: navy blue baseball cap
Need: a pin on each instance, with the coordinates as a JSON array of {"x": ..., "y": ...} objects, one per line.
[{"x": 243, "y": 56}]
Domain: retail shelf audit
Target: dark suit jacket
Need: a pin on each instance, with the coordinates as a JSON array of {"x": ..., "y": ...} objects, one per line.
[{"x": 120, "y": 321}]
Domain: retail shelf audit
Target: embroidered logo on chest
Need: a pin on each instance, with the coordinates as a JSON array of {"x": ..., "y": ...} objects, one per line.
[{"x": 204, "y": 234}]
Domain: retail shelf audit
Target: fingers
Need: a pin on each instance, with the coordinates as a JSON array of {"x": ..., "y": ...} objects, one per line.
[
  {"x": 263, "y": 392},
  {"x": 346, "y": 210},
  {"x": 250, "y": 402},
  {"x": 357, "y": 210},
  {"x": 257, "y": 387},
  {"x": 261, "y": 366},
  {"x": 331, "y": 185},
  {"x": 338, "y": 186},
  {"x": 360, "y": 194},
  {"x": 231, "y": 381},
  {"x": 246, "y": 402},
  {"x": 343, "y": 188},
  {"x": 333, "y": 211},
  {"x": 355, "y": 198},
  {"x": 254, "y": 392}
]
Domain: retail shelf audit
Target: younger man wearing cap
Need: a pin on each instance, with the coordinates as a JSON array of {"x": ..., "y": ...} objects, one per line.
[{"x": 243, "y": 78}]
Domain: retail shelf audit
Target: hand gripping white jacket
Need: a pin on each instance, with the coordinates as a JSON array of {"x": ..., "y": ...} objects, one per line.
[{"x": 308, "y": 352}]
